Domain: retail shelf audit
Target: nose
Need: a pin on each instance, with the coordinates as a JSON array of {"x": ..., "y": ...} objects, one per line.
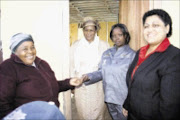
[
  {"x": 30, "y": 50},
  {"x": 149, "y": 29}
]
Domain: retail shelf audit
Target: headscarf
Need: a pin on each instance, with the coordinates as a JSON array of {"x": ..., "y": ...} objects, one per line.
[
  {"x": 90, "y": 21},
  {"x": 18, "y": 39}
]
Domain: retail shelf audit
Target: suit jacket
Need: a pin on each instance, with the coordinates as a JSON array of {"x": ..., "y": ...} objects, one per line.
[{"x": 154, "y": 90}]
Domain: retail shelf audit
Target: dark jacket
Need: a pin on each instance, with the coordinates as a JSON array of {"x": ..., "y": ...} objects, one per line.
[
  {"x": 154, "y": 90},
  {"x": 21, "y": 84}
]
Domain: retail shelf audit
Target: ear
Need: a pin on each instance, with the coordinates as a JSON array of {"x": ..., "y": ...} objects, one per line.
[{"x": 167, "y": 28}]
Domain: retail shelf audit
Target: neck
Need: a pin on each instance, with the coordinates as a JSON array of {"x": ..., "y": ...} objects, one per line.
[
  {"x": 90, "y": 41},
  {"x": 151, "y": 48}
]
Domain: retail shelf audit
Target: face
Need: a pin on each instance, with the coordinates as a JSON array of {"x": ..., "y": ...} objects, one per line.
[
  {"x": 155, "y": 30},
  {"x": 118, "y": 37},
  {"x": 26, "y": 52},
  {"x": 89, "y": 33}
]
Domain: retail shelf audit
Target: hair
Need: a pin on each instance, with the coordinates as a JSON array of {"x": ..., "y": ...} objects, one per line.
[
  {"x": 124, "y": 31},
  {"x": 163, "y": 15}
]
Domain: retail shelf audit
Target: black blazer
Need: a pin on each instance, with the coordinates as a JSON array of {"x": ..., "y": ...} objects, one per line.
[{"x": 154, "y": 90}]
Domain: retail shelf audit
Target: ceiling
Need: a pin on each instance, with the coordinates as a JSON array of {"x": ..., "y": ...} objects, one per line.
[{"x": 102, "y": 10}]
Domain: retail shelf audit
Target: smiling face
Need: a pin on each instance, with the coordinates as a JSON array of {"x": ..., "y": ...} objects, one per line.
[
  {"x": 89, "y": 33},
  {"x": 26, "y": 52},
  {"x": 118, "y": 37},
  {"x": 155, "y": 30}
]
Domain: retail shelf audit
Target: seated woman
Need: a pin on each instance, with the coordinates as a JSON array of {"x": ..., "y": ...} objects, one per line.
[{"x": 24, "y": 77}]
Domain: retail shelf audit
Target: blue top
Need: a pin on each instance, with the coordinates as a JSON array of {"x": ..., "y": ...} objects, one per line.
[{"x": 112, "y": 69}]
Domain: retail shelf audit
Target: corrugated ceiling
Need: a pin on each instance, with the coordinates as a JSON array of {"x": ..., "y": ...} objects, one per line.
[{"x": 102, "y": 10}]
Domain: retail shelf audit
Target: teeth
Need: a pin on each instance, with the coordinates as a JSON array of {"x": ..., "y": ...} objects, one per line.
[
  {"x": 150, "y": 35},
  {"x": 29, "y": 57}
]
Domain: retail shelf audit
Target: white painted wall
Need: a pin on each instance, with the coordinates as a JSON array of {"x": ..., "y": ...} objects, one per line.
[
  {"x": 48, "y": 23},
  {"x": 173, "y": 8}
]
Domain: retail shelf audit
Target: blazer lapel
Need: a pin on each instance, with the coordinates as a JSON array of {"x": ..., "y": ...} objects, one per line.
[{"x": 152, "y": 58}]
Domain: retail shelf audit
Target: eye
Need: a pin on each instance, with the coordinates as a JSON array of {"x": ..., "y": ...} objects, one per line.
[
  {"x": 25, "y": 49},
  {"x": 146, "y": 26},
  {"x": 32, "y": 48},
  {"x": 120, "y": 35},
  {"x": 155, "y": 25}
]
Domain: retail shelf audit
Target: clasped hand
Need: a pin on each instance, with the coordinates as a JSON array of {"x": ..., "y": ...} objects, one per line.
[{"x": 78, "y": 81}]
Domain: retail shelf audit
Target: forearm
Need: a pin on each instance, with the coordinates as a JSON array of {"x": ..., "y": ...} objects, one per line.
[
  {"x": 94, "y": 77},
  {"x": 64, "y": 85}
]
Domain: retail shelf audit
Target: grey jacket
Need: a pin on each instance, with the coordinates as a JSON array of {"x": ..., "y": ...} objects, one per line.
[{"x": 112, "y": 69}]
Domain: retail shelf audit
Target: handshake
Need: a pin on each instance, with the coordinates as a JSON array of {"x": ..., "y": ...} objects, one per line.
[{"x": 78, "y": 81}]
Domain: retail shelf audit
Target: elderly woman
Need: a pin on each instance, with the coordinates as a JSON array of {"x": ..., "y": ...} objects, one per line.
[
  {"x": 85, "y": 57},
  {"x": 112, "y": 69},
  {"x": 25, "y": 77},
  {"x": 154, "y": 75}
]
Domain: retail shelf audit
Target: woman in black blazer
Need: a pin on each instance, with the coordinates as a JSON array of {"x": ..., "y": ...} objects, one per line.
[{"x": 154, "y": 76}]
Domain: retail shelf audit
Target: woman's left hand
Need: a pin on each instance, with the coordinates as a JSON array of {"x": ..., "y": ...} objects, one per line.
[{"x": 76, "y": 81}]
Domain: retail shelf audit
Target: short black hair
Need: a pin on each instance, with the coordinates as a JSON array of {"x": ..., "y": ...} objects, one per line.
[
  {"x": 163, "y": 15},
  {"x": 124, "y": 31}
]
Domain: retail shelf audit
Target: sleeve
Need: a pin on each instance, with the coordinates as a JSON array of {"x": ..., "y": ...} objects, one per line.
[
  {"x": 170, "y": 90},
  {"x": 94, "y": 77},
  {"x": 64, "y": 85},
  {"x": 126, "y": 102},
  {"x": 7, "y": 91}
]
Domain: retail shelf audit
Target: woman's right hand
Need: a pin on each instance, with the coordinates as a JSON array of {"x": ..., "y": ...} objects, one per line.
[
  {"x": 125, "y": 112},
  {"x": 84, "y": 77}
]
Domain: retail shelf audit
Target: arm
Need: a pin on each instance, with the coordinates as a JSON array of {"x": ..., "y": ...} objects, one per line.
[
  {"x": 7, "y": 91},
  {"x": 170, "y": 90},
  {"x": 93, "y": 77},
  {"x": 65, "y": 85}
]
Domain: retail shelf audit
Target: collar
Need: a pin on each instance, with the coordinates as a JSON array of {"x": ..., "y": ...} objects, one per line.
[
  {"x": 16, "y": 59},
  {"x": 84, "y": 42},
  {"x": 161, "y": 48}
]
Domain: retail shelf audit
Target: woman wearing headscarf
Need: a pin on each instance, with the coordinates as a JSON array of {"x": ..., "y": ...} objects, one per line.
[
  {"x": 112, "y": 70},
  {"x": 154, "y": 75},
  {"x": 85, "y": 57},
  {"x": 24, "y": 77}
]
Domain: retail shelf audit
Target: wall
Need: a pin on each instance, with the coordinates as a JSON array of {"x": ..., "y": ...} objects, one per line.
[{"x": 48, "y": 23}]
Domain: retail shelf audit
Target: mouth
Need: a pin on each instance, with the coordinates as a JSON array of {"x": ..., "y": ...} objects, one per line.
[
  {"x": 150, "y": 35},
  {"x": 118, "y": 42},
  {"x": 31, "y": 57}
]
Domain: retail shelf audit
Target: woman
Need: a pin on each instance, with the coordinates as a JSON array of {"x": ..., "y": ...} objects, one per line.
[
  {"x": 154, "y": 75},
  {"x": 113, "y": 67},
  {"x": 25, "y": 77},
  {"x": 85, "y": 57}
]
